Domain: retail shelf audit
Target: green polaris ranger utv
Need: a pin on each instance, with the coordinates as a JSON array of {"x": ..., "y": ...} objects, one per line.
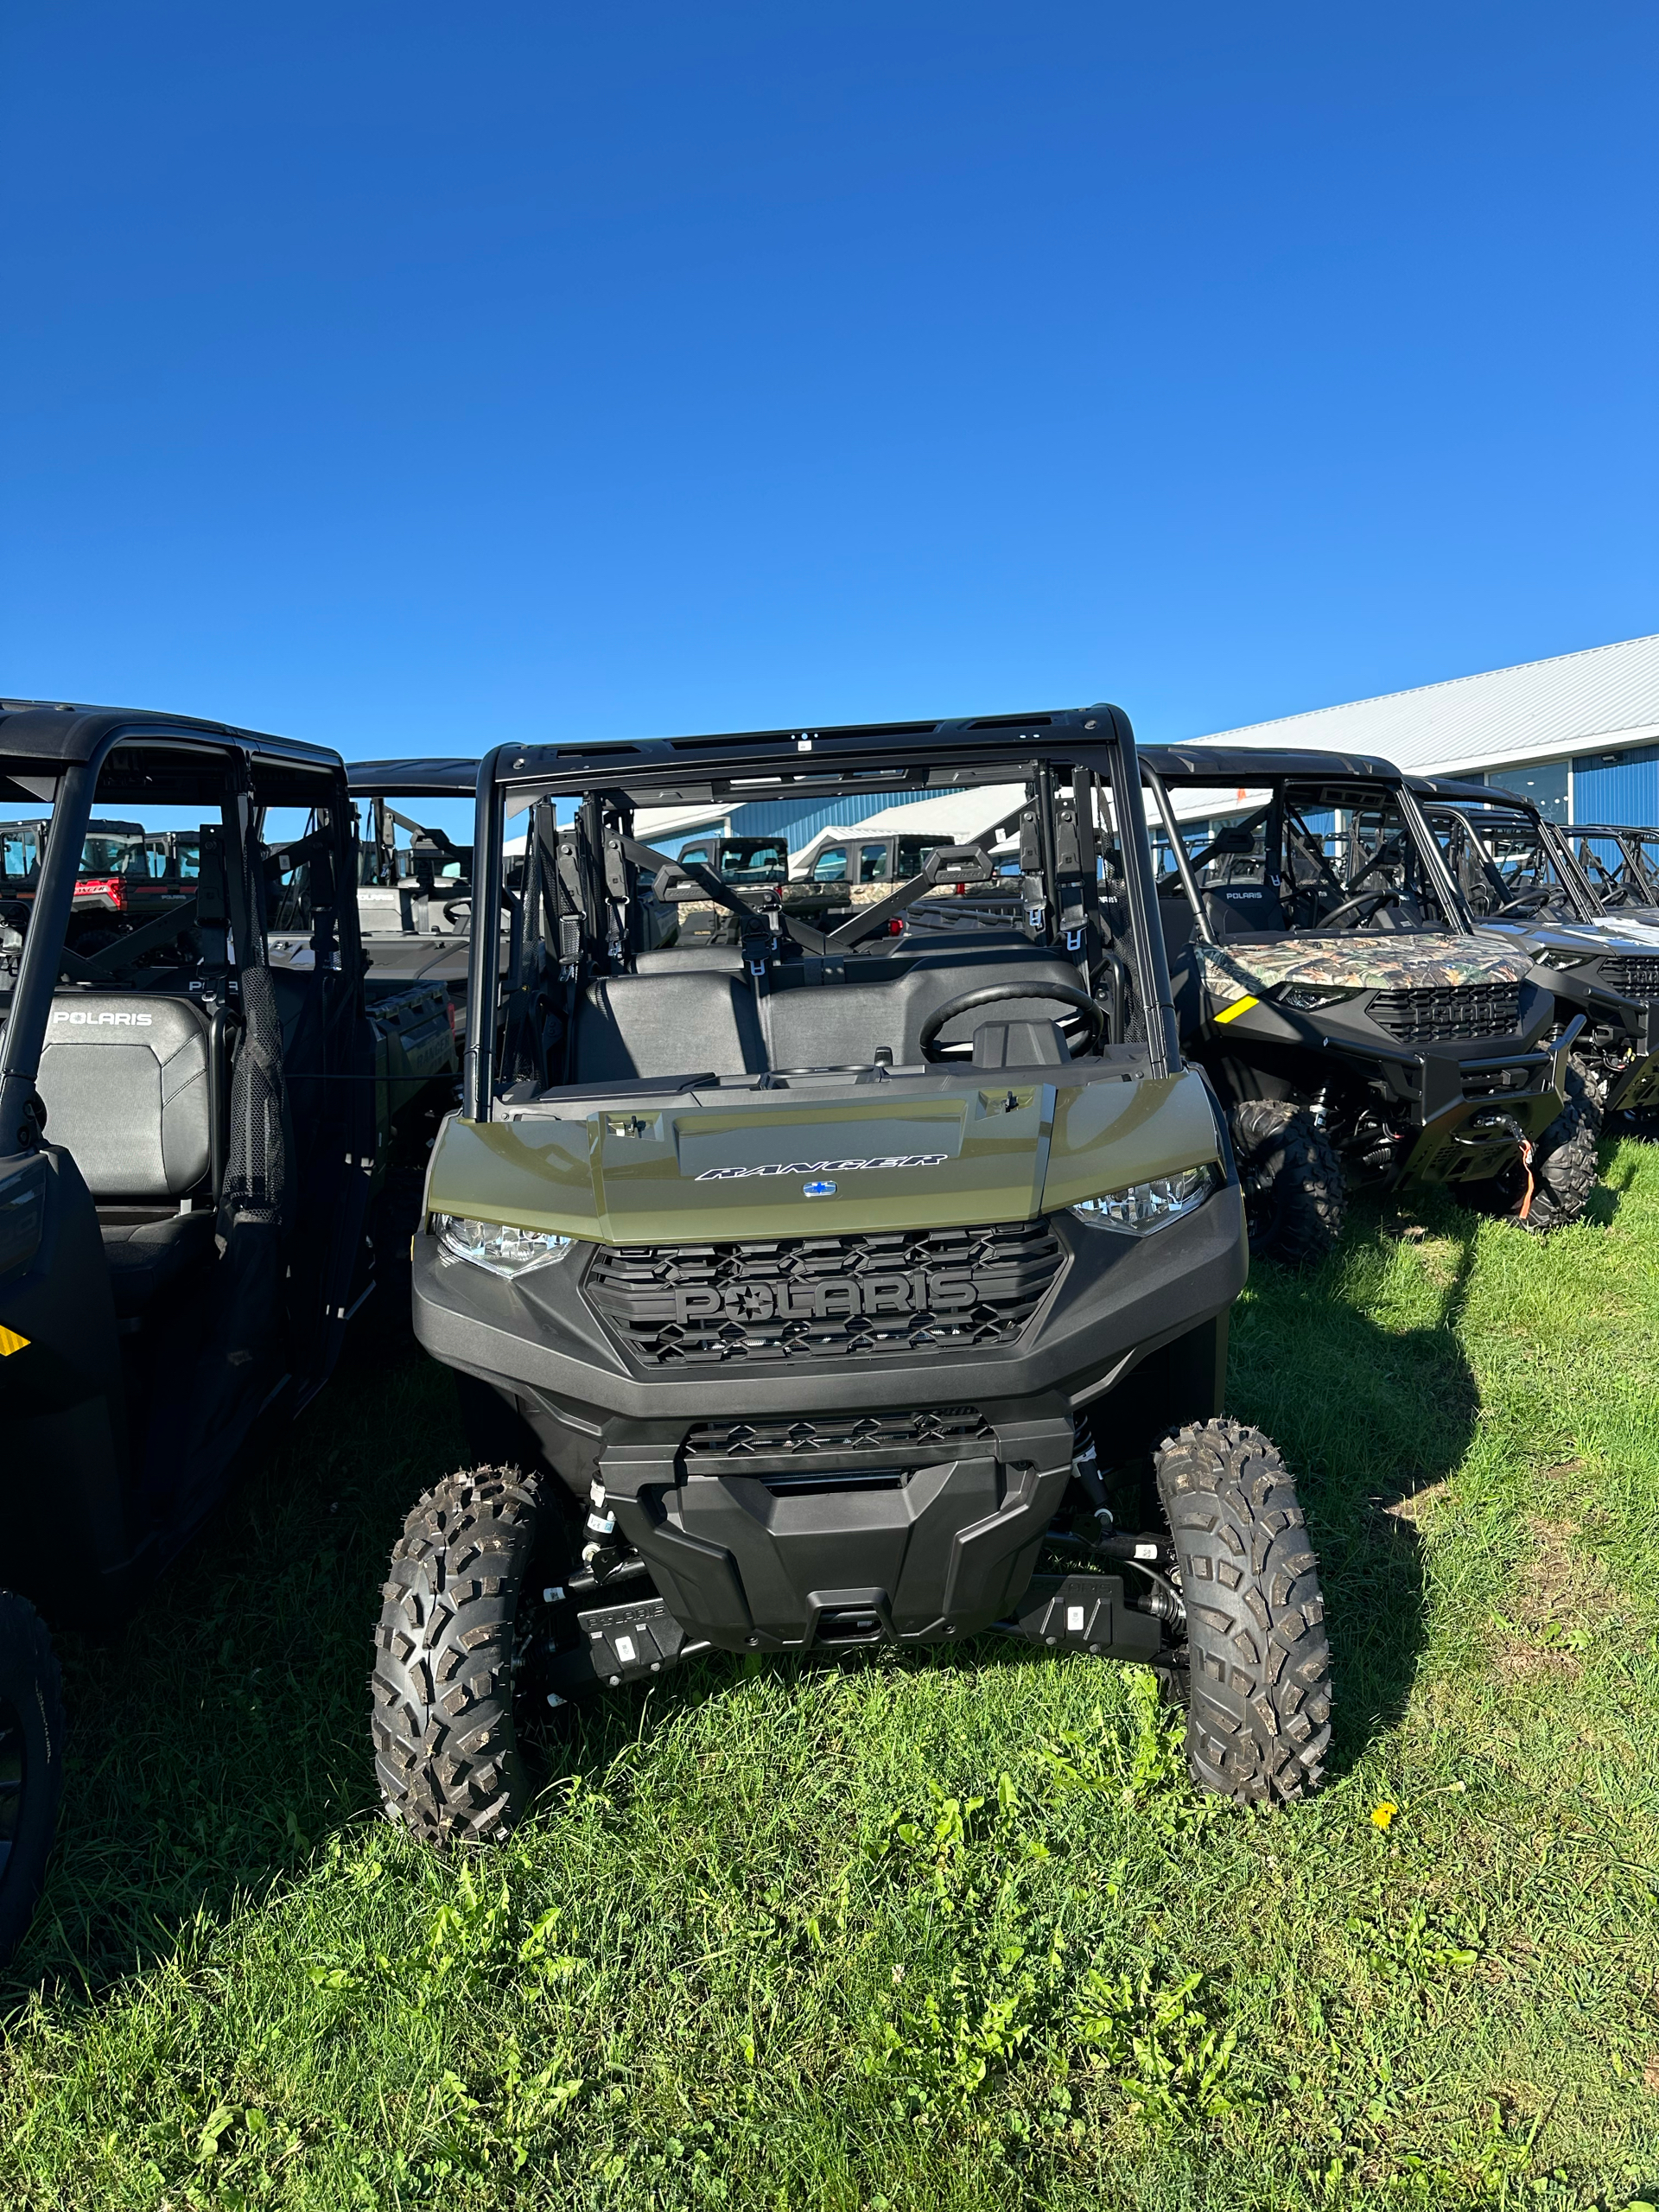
[
  {"x": 1328, "y": 980},
  {"x": 188, "y": 1150},
  {"x": 834, "y": 1289}
]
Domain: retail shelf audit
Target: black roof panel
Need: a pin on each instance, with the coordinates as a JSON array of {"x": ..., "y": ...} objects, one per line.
[
  {"x": 413, "y": 779},
  {"x": 691, "y": 766},
  {"x": 1469, "y": 793},
  {"x": 36, "y": 729},
  {"x": 1248, "y": 764}
]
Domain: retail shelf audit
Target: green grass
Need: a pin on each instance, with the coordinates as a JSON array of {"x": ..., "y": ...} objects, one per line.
[{"x": 920, "y": 1933}]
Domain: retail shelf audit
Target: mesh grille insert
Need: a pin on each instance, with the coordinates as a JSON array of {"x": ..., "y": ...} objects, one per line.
[
  {"x": 1448, "y": 1012},
  {"x": 949, "y": 1426},
  {"x": 1635, "y": 977},
  {"x": 901, "y": 1292}
]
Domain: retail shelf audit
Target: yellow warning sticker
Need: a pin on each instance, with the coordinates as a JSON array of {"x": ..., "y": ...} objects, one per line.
[
  {"x": 1239, "y": 1007},
  {"x": 11, "y": 1342}
]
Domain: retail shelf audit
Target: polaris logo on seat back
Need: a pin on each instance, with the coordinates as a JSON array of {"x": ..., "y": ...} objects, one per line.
[
  {"x": 105, "y": 1018},
  {"x": 824, "y": 1166}
]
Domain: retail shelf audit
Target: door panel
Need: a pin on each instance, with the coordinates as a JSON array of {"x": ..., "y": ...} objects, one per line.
[{"x": 62, "y": 1415}]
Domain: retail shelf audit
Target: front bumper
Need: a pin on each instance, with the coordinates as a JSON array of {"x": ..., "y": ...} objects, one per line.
[
  {"x": 1635, "y": 1090},
  {"x": 1116, "y": 1296},
  {"x": 1474, "y": 1111},
  {"x": 1452, "y": 1109},
  {"x": 786, "y": 1505}
]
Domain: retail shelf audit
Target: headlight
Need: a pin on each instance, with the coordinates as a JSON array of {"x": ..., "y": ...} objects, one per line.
[
  {"x": 1553, "y": 959},
  {"x": 1307, "y": 998},
  {"x": 501, "y": 1247},
  {"x": 1145, "y": 1206}
]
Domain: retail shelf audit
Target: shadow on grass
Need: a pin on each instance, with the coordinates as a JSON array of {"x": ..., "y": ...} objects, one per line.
[
  {"x": 220, "y": 1733},
  {"x": 1614, "y": 1179},
  {"x": 1369, "y": 1413}
]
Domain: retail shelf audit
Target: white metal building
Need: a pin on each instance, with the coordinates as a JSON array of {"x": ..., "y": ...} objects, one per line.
[{"x": 1580, "y": 733}]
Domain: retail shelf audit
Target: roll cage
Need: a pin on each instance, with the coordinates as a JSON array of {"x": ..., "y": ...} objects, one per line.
[
  {"x": 1306, "y": 869},
  {"x": 578, "y": 915},
  {"x": 430, "y": 851},
  {"x": 63, "y": 753},
  {"x": 1478, "y": 810},
  {"x": 1634, "y": 880}
]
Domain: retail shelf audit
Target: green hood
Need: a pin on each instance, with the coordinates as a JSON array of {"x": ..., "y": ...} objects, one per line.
[{"x": 693, "y": 1173}]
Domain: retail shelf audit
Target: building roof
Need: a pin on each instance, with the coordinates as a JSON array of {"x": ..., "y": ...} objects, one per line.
[
  {"x": 1605, "y": 698},
  {"x": 654, "y": 821}
]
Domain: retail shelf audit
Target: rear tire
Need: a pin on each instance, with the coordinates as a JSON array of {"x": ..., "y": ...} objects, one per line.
[
  {"x": 1294, "y": 1192},
  {"x": 1563, "y": 1171},
  {"x": 446, "y": 1746},
  {"x": 31, "y": 1763},
  {"x": 1258, "y": 1716}
]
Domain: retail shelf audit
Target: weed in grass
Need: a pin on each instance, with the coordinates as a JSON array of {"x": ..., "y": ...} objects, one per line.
[{"x": 1161, "y": 2041}]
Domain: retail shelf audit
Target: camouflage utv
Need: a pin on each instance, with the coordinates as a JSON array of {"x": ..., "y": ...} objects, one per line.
[
  {"x": 1328, "y": 980},
  {"x": 839, "y": 1289},
  {"x": 1525, "y": 888},
  {"x": 756, "y": 869},
  {"x": 859, "y": 865}
]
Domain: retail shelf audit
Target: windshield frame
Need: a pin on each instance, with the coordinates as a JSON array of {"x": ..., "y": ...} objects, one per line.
[
  {"x": 1289, "y": 792},
  {"x": 1582, "y": 903},
  {"x": 766, "y": 766},
  {"x": 126, "y": 838}
]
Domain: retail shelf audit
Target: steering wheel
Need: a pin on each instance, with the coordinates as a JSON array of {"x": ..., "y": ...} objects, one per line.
[
  {"x": 1373, "y": 902},
  {"x": 965, "y": 1002},
  {"x": 1528, "y": 903},
  {"x": 449, "y": 910}
]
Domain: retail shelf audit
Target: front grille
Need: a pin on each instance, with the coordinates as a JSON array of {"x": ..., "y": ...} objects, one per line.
[
  {"x": 902, "y": 1291},
  {"x": 1633, "y": 976},
  {"x": 1448, "y": 1012},
  {"x": 949, "y": 1426}
]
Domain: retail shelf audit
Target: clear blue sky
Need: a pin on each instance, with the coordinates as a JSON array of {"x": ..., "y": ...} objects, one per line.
[{"x": 400, "y": 377}]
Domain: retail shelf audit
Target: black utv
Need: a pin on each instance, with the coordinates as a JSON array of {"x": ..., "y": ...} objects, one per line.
[
  {"x": 838, "y": 1289},
  {"x": 1328, "y": 980},
  {"x": 187, "y": 1153},
  {"x": 1524, "y": 885}
]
